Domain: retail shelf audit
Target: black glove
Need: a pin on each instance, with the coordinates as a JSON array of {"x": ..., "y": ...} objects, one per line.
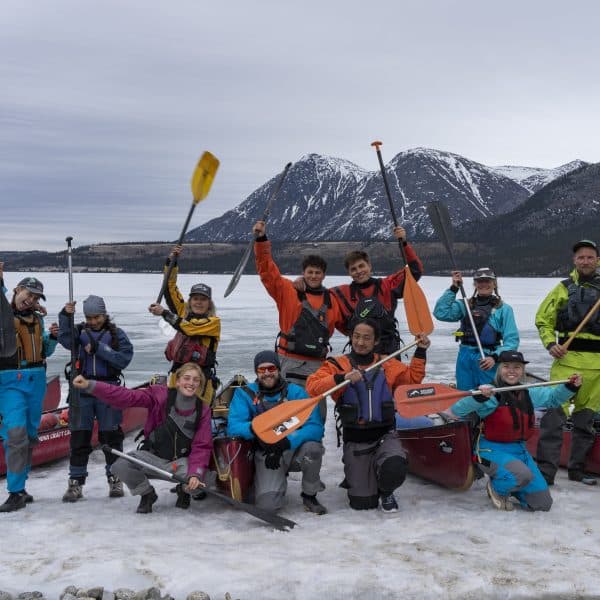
[
  {"x": 273, "y": 460},
  {"x": 273, "y": 453}
]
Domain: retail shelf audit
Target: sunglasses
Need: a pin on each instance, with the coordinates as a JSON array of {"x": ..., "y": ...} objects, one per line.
[{"x": 269, "y": 369}]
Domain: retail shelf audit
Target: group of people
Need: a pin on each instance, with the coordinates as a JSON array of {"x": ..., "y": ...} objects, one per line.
[{"x": 177, "y": 433}]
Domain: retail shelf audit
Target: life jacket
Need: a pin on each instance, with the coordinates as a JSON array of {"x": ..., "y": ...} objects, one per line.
[
  {"x": 258, "y": 398},
  {"x": 90, "y": 365},
  {"x": 513, "y": 420},
  {"x": 488, "y": 336},
  {"x": 172, "y": 439},
  {"x": 372, "y": 307},
  {"x": 30, "y": 340},
  {"x": 580, "y": 300},
  {"x": 309, "y": 335},
  {"x": 189, "y": 348}
]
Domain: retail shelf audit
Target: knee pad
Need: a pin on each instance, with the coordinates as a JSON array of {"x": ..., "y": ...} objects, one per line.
[
  {"x": 363, "y": 502},
  {"x": 392, "y": 473}
]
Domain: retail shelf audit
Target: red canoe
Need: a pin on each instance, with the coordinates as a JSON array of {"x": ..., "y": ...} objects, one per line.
[{"x": 52, "y": 397}]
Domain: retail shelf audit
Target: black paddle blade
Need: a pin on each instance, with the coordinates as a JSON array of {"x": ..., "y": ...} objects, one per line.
[
  {"x": 8, "y": 334},
  {"x": 442, "y": 225},
  {"x": 239, "y": 269}
]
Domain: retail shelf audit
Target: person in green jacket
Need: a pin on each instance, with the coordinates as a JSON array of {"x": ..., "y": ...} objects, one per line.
[{"x": 557, "y": 318}]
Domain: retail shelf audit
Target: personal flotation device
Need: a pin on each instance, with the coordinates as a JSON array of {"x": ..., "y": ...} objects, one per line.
[
  {"x": 581, "y": 298},
  {"x": 488, "y": 336},
  {"x": 513, "y": 420},
  {"x": 30, "y": 340},
  {"x": 358, "y": 307},
  {"x": 172, "y": 439},
  {"x": 189, "y": 348},
  {"x": 258, "y": 397},
  {"x": 90, "y": 365},
  {"x": 309, "y": 335}
]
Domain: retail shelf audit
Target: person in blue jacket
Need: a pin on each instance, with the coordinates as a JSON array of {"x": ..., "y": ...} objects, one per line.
[
  {"x": 104, "y": 350},
  {"x": 301, "y": 450},
  {"x": 22, "y": 382},
  {"x": 494, "y": 321},
  {"x": 508, "y": 420}
]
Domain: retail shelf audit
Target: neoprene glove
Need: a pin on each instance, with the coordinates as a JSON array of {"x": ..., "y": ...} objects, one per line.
[{"x": 273, "y": 453}]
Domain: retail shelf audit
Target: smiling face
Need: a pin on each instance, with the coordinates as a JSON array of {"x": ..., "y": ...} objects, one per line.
[
  {"x": 95, "y": 322},
  {"x": 313, "y": 276},
  {"x": 363, "y": 339},
  {"x": 360, "y": 271},
  {"x": 484, "y": 287},
  {"x": 24, "y": 299},
  {"x": 199, "y": 304},
  {"x": 188, "y": 382},
  {"x": 267, "y": 374},
  {"x": 511, "y": 372},
  {"x": 585, "y": 261}
]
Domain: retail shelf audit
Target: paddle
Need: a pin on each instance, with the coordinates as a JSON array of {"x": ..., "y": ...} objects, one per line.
[
  {"x": 425, "y": 398},
  {"x": 8, "y": 333},
  {"x": 581, "y": 325},
  {"x": 278, "y": 422},
  {"x": 278, "y": 522},
  {"x": 242, "y": 264},
  {"x": 418, "y": 315},
  {"x": 442, "y": 225},
  {"x": 202, "y": 179},
  {"x": 74, "y": 400}
]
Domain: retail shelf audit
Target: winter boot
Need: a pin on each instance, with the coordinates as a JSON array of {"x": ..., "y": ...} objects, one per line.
[
  {"x": 146, "y": 501},
  {"x": 183, "y": 498},
  {"x": 311, "y": 504},
  {"x": 576, "y": 475},
  {"x": 115, "y": 487},
  {"x": 28, "y": 497},
  {"x": 500, "y": 502},
  {"x": 388, "y": 503},
  {"x": 15, "y": 501},
  {"x": 74, "y": 491}
]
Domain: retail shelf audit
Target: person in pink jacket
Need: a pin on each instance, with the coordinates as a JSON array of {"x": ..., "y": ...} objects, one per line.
[{"x": 177, "y": 433}]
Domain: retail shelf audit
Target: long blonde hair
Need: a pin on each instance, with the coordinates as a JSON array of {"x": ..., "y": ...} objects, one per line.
[{"x": 190, "y": 366}]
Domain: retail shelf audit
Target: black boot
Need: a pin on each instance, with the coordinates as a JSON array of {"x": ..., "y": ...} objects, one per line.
[
  {"x": 15, "y": 501},
  {"x": 146, "y": 501},
  {"x": 28, "y": 497},
  {"x": 183, "y": 498},
  {"x": 311, "y": 504}
]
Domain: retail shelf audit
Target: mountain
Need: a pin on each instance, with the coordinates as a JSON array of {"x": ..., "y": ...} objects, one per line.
[
  {"x": 535, "y": 178},
  {"x": 326, "y": 198}
]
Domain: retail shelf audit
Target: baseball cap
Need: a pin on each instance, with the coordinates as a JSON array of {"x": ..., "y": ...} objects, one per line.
[
  {"x": 512, "y": 356},
  {"x": 201, "y": 288},
  {"x": 585, "y": 244},
  {"x": 33, "y": 285},
  {"x": 484, "y": 273}
]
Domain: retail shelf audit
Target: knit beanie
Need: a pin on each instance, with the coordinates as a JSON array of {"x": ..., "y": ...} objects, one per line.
[
  {"x": 267, "y": 356},
  {"x": 94, "y": 305}
]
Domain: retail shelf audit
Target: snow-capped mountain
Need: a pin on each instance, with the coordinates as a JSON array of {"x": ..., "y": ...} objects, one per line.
[{"x": 535, "y": 178}]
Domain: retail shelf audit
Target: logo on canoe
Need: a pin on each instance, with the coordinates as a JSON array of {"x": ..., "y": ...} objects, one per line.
[{"x": 420, "y": 392}]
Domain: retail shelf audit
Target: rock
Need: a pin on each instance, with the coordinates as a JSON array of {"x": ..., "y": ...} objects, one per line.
[
  {"x": 68, "y": 597},
  {"x": 197, "y": 596},
  {"x": 30, "y": 596},
  {"x": 152, "y": 593},
  {"x": 70, "y": 590},
  {"x": 125, "y": 594},
  {"x": 108, "y": 595},
  {"x": 6, "y": 596},
  {"x": 95, "y": 592}
]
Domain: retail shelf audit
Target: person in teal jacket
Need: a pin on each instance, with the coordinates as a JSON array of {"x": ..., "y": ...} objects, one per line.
[
  {"x": 494, "y": 321},
  {"x": 508, "y": 420},
  {"x": 301, "y": 450}
]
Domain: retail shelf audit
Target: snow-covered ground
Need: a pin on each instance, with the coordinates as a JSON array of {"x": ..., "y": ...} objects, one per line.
[{"x": 440, "y": 544}]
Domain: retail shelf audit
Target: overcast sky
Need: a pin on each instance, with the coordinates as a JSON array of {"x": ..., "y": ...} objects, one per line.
[{"x": 105, "y": 106}]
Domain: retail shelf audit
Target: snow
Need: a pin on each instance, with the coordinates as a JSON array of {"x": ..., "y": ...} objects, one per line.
[{"x": 440, "y": 544}]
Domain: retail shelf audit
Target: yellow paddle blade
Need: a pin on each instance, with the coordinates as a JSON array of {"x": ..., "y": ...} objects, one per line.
[
  {"x": 203, "y": 176},
  {"x": 418, "y": 315},
  {"x": 277, "y": 423}
]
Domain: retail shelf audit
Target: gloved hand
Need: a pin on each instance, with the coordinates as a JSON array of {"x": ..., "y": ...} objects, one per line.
[{"x": 273, "y": 453}]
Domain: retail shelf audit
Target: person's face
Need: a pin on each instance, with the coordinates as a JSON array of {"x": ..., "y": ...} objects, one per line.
[
  {"x": 188, "y": 383},
  {"x": 267, "y": 375},
  {"x": 360, "y": 271},
  {"x": 585, "y": 261},
  {"x": 24, "y": 299},
  {"x": 484, "y": 287},
  {"x": 95, "y": 322},
  {"x": 199, "y": 303},
  {"x": 512, "y": 372},
  {"x": 363, "y": 339},
  {"x": 313, "y": 276}
]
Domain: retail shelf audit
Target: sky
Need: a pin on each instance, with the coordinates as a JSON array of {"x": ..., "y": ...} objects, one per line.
[{"x": 105, "y": 107}]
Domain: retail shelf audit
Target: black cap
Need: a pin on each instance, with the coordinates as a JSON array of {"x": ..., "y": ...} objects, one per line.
[
  {"x": 33, "y": 285},
  {"x": 585, "y": 244},
  {"x": 484, "y": 273},
  {"x": 201, "y": 288},
  {"x": 512, "y": 356}
]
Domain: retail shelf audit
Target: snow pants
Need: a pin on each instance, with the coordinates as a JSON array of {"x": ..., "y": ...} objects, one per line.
[
  {"x": 373, "y": 469},
  {"x": 469, "y": 375},
  {"x": 513, "y": 471},
  {"x": 21, "y": 397},
  {"x": 270, "y": 485},
  {"x": 109, "y": 433},
  {"x": 297, "y": 371}
]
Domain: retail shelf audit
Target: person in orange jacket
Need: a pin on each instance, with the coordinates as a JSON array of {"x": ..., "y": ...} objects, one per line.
[
  {"x": 307, "y": 318},
  {"x": 374, "y": 460}
]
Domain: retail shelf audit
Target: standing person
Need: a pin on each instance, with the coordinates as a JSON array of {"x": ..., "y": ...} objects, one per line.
[
  {"x": 103, "y": 351},
  {"x": 557, "y": 318},
  {"x": 301, "y": 450},
  {"x": 494, "y": 321},
  {"x": 198, "y": 329},
  {"x": 177, "y": 434},
  {"x": 373, "y": 297},
  {"x": 374, "y": 460},
  {"x": 22, "y": 386},
  {"x": 307, "y": 318},
  {"x": 508, "y": 420}
]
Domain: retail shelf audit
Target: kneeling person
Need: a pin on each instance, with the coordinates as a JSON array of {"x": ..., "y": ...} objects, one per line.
[
  {"x": 301, "y": 450},
  {"x": 177, "y": 433},
  {"x": 374, "y": 460}
]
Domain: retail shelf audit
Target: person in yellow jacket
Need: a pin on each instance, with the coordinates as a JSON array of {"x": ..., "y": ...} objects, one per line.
[
  {"x": 558, "y": 316},
  {"x": 198, "y": 329}
]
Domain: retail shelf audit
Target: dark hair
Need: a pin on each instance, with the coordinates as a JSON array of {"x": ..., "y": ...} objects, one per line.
[
  {"x": 372, "y": 323},
  {"x": 354, "y": 256},
  {"x": 314, "y": 260}
]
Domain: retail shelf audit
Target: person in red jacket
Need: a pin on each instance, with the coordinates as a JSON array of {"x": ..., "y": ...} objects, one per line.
[
  {"x": 373, "y": 297},
  {"x": 307, "y": 318},
  {"x": 374, "y": 460}
]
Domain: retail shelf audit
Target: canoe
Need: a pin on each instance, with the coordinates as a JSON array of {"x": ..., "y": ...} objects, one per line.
[
  {"x": 442, "y": 454},
  {"x": 52, "y": 397}
]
